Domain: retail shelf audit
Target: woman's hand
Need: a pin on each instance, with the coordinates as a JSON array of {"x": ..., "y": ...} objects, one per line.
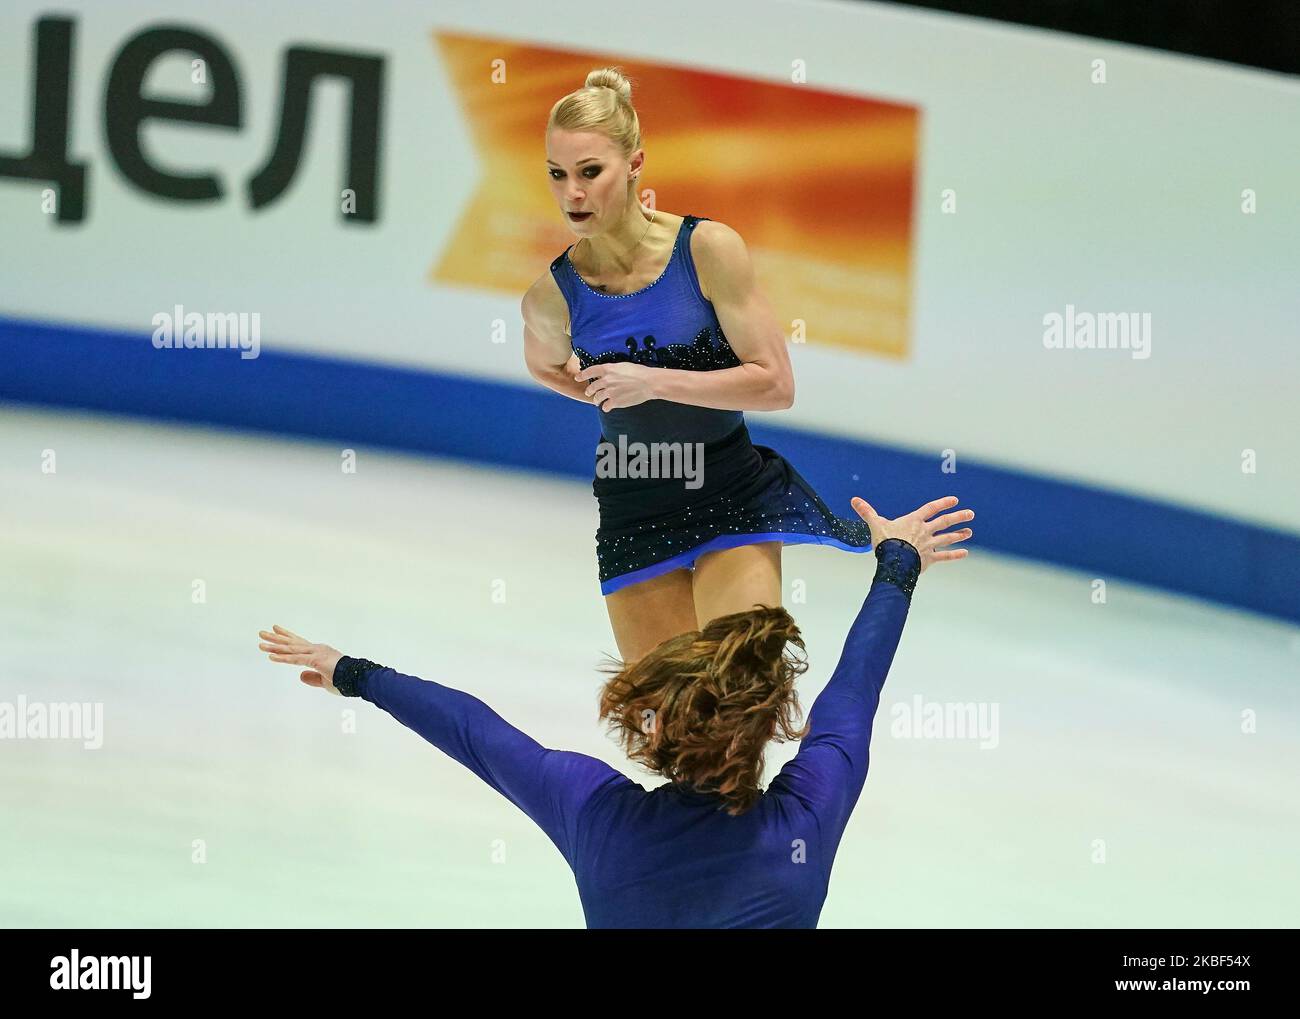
[
  {"x": 618, "y": 384},
  {"x": 915, "y": 528},
  {"x": 320, "y": 659}
]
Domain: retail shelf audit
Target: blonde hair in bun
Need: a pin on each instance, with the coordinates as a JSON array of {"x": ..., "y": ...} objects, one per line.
[{"x": 603, "y": 105}]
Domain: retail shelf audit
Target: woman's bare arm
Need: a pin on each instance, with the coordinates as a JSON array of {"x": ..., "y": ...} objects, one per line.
[
  {"x": 548, "y": 350},
  {"x": 764, "y": 381}
]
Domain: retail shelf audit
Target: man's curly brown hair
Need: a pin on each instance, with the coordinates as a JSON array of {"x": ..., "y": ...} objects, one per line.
[{"x": 701, "y": 707}]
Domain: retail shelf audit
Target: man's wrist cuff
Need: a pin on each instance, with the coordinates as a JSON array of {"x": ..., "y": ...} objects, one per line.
[
  {"x": 898, "y": 563},
  {"x": 350, "y": 675}
]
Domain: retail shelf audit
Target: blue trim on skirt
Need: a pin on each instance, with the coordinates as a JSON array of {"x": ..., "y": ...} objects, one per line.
[
  {"x": 747, "y": 494},
  {"x": 687, "y": 558}
]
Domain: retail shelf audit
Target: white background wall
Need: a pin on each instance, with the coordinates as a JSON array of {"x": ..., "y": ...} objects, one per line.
[{"x": 1117, "y": 197}]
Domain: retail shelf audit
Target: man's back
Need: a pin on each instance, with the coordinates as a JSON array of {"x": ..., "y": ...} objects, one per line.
[{"x": 671, "y": 858}]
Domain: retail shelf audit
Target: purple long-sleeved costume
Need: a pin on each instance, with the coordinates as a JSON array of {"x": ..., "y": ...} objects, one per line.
[{"x": 669, "y": 857}]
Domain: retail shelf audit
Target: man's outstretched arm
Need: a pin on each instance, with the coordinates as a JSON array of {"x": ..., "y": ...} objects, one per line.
[
  {"x": 829, "y": 771},
  {"x": 550, "y": 786}
]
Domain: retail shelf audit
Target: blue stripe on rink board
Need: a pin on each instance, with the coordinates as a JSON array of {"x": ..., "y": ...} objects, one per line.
[{"x": 1102, "y": 533}]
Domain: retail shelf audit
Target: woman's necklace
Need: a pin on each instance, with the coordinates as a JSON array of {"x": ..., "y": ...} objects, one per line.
[{"x": 653, "y": 214}]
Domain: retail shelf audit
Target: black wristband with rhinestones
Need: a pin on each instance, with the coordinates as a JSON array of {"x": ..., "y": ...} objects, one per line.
[
  {"x": 899, "y": 563},
  {"x": 350, "y": 675}
]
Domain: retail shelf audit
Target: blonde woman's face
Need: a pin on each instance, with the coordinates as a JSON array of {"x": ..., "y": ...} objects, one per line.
[{"x": 588, "y": 175}]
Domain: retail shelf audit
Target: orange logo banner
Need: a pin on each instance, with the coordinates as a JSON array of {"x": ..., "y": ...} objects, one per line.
[{"x": 818, "y": 183}]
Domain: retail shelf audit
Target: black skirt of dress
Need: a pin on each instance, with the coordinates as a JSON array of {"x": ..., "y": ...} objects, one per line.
[{"x": 749, "y": 494}]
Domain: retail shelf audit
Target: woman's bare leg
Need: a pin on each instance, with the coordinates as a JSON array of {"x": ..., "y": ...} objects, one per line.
[
  {"x": 734, "y": 579},
  {"x": 647, "y": 613}
]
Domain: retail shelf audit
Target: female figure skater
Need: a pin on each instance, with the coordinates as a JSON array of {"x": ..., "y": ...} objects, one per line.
[
  {"x": 657, "y": 320},
  {"x": 707, "y": 849}
]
